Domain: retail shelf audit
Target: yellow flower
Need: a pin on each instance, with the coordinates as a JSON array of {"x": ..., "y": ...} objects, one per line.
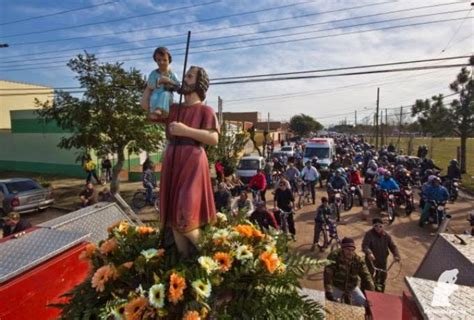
[
  {"x": 102, "y": 275},
  {"x": 134, "y": 309},
  {"x": 243, "y": 253},
  {"x": 192, "y": 315},
  {"x": 270, "y": 261},
  {"x": 156, "y": 295},
  {"x": 177, "y": 286},
  {"x": 244, "y": 230},
  {"x": 224, "y": 260},
  {"x": 208, "y": 264},
  {"x": 203, "y": 289},
  {"x": 123, "y": 227}
]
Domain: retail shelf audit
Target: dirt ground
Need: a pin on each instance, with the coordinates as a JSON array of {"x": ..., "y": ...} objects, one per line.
[{"x": 412, "y": 241}]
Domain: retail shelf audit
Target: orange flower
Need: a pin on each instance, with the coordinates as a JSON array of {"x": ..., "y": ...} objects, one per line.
[
  {"x": 192, "y": 315},
  {"x": 224, "y": 260},
  {"x": 257, "y": 233},
  {"x": 177, "y": 286},
  {"x": 135, "y": 308},
  {"x": 127, "y": 265},
  {"x": 145, "y": 230},
  {"x": 88, "y": 252},
  {"x": 270, "y": 260},
  {"x": 102, "y": 275},
  {"x": 244, "y": 230},
  {"x": 108, "y": 246}
]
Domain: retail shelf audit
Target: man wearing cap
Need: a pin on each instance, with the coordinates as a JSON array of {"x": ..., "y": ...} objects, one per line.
[
  {"x": 263, "y": 217},
  {"x": 341, "y": 278},
  {"x": 14, "y": 224},
  {"x": 376, "y": 246},
  {"x": 434, "y": 191}
]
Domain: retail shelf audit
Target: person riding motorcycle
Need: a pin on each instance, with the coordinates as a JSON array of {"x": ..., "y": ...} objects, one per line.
[
  {"x": 355, "y": 180},
  {"x": 387, "y": 183},
  {"x": 453, "y": 170},
  {"x": 433, "y": 191},
  {"x": 337, "y": 182}
]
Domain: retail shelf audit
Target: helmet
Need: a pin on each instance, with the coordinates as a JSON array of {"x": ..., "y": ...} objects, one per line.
[
  {"x": 380, "y": 170},
  {"x": 453, "y": 162},
  {"x": 432, "y": 178},
  {"x": 428, "y": 172},
  {"x": 387, "y": 173}
]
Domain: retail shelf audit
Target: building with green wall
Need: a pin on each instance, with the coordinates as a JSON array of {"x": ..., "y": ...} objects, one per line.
[{"x": 32, "y": 146}]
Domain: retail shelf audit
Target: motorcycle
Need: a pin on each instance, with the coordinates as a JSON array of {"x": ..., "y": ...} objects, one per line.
[
  {"x": 437, "y": 212},
  {"x": 390, "y": 203},
  {"x": 353, "y": 193},
  {"x": 453, "y": 188},
  {"x": 406, "y": 198},
  {"x": 336, "y": 203}
]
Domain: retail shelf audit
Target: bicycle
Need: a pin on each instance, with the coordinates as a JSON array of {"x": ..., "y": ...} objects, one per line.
[
  {"x": 283, "y": 220},
  {"x": 381, "y": 275},
  {"x": 139, "y": 199},
  {"x": 304, "y": 194},
  {"x": 329, "y": 235}
]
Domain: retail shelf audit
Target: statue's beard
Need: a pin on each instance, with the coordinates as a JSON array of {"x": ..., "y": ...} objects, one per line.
[{"x": 187, "y": 89}]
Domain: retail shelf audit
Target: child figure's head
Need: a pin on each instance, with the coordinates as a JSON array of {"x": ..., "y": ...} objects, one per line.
[
  {"x": 163, "y": 58},
  {"x": 324, "y": 201}
]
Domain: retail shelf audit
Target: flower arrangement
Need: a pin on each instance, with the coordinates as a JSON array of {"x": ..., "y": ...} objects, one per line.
[{"x": 239, "y": 271}]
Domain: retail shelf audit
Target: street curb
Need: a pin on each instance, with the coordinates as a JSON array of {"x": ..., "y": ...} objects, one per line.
[{"x": 62, "y": 208}]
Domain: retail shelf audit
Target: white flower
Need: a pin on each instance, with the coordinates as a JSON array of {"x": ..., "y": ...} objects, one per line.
[
  {"x": 203, "y": 289},
  {"x": 156, "y": 295},
  {"x": 221, "y": 217},
  {"x": 270, "y": 248},
  {"x": 220, "y": 234},
  {"x": 234, "y": 235},
  {"x": 150, "y": 253},
  {"x": 243, "y": 253},
  {"x": 208, "y": 264}
]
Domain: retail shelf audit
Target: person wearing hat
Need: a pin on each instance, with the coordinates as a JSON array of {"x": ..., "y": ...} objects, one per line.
[
  {"x": 13, "y": 223},
  {"x": 263, "y": 217},
  {"x": 342, "y": 276},
  {"x": 433, "y": 191},
  {"x": 376, "y": 245}
]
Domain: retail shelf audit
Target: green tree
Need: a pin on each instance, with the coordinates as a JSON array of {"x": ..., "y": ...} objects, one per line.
[
  {"x": 228, "y": 149},
  {"x": 433, "y": 116},
  {"x": 303, "y": 125},
  {"x": 462, "y": 109},
  {"x": 108, "y": 118}
]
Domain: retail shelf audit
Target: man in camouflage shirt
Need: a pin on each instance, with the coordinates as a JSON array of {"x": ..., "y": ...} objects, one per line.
[{"x": 341, "y": 278}]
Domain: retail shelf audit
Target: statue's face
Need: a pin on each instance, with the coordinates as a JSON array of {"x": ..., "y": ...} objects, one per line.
[
  {"x": 189, "y": 85},
  {"x": 163, "y": 61}
]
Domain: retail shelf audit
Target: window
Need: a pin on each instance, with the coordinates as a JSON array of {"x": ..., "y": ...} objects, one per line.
[
  {"x": 248, "y": 164},
  {"x": 21, "y": 186},
  {"x": 321, "y": 153}
]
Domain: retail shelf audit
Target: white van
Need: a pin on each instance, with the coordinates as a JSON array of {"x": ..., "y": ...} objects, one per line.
[
  {"x": 323, "y": 148},
  {"x": 248, "y": 166}
]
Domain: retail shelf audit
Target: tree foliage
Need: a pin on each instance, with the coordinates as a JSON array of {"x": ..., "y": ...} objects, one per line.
[
  {"x": 228, "y": 148},
  {"x": 433, "y": 116},
  {"x": 303, "y": 125},
  {"x": 108, "y": 118}
]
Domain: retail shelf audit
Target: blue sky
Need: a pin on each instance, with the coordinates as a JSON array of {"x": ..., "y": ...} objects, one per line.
[{"x": 328, "y": 99}]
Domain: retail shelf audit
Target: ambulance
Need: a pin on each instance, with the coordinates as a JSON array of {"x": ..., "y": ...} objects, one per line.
[{"x": 323, "y": 148}]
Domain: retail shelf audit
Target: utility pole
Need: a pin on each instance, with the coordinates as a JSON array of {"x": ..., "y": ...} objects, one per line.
[
  {"x": 219, "y": 109},
  {"x": 382, "y": 132},
  {"x": 400, "y": 128},
  {"x": 268, "y": 123},
  {"x": 386, "y": 126},
  {"x": 355, "y": 118},
  {"x": 377, "y": 120}
]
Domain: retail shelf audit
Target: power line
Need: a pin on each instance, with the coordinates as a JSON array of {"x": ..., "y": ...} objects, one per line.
[
  {"x": 246, "y": 25},
  {"x": 112, "y": 20},
  {"x": 258, "y": 32},
  {"x": 338, "y": 74},
  {"x": 57, "y": 13},
  {"x": 180, "y": 24},
  {"x": 456, "y": 32},
  {"x": 47, "y": 66},
  {"x": 309, "y": 71}
]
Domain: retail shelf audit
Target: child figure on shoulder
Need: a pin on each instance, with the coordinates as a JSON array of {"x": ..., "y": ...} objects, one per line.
[{"x": 158, "y": 95}]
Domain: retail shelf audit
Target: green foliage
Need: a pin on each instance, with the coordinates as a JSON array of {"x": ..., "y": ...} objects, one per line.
[
  {"x": 433, "y": 116},
  {"x": 108, "y": 118},
  {"x": 303, "y": 125},
  {"x": 259, "y": 280},
  {"x": 228, "y": 149}
]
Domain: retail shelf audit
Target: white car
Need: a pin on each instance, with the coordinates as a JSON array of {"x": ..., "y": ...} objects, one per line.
[
  {"x": 248, "y": 166},
  {"x": 288, "y": 150}
]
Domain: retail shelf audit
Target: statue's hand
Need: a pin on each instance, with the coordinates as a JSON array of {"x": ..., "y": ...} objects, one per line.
[
  {"x": 178, "y": 128},
  {"x": 165, "y": 80}
]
